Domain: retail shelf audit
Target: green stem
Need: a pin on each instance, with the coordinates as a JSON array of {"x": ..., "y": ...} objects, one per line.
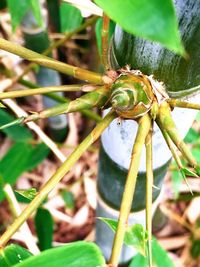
[
  {"x": 54, "y": 180},
  {"x": 104, "y": 37},
  {"x": 149, "y": 186},
  {"x": 61, "y": 99},
  {"x": 127, "y": 198},
  {"x": 45, "y": 61},
  {"x": 89, "y": 100},
  {"x": 42, "y": 90},
  {"x": 183, "y": 104},
  {"x": 58, "y": 43},
  {"x": 165, "y": 121}
]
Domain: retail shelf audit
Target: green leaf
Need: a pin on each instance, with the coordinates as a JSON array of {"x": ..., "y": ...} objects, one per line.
[
  {"x": 28, "y": 194},
  {"x": 191, "y": 136},
  {"x": 159, "y": 255},
  {"x": 68, "y": 197},
  {"x": 177, "y": 179},
  {"x": 70, "y": 17},
  {"x": 19, "y": 9},
  {"x": 44, "y": 228},
  {"x": 77, "y": 254},
  {"x": 21, "y": 157},
  {"x": 154, "y": 20},
  {"x": 188, "y": 172},
  {"x": 135, "y": 235},
  {"x": 12, "y": 255},
  {"x": 17, "y": 132},
  {"x": 36, "y": 7},
  {"x": 196, "y": 153},
  {"x": 98, "y": 29},
  {"x": 195, "y": 249}
]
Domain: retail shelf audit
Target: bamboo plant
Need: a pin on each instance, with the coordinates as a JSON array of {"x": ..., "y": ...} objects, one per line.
[{"x": 130, "y": 95}]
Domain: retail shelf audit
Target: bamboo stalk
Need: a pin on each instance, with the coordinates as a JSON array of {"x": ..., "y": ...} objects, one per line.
[
  {"x": 149, "y": 192},
  {"x": 54, "y": 180},
  {"x": 45, "y": 61},
  {"x": 42, "y": 90},
  {"x": 127, "y": 198},
  {"x": 104, "y": 37},
  {"x": 182, "y": 104}
]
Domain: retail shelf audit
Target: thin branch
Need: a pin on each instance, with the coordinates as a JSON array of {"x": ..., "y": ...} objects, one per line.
[
  {"x": 149, "y": 192},
  {"x": 45, "y": 61},
  {"x": 89, "y": 100},
  {"x": 182, "y": 104},
  {"x": 127, "y": 198},
  {"x": 104, "y": 38},
  {"x": 42, "y": 90},
  {"x": 56, "y": 44},
  {"x": 54, "y": 180},
  {"x": 16, "y": 210}
]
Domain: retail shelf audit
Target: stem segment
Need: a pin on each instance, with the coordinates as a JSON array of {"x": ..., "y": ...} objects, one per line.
[
  {"x": 143, "y": 130},
  {"x": 149, "y": 186},
  {"x": 54, "y": 180},
  {"x": 42, "y": 90},
  {"x": 183, "y": 104},
  {"x": 45, "y": 61}
]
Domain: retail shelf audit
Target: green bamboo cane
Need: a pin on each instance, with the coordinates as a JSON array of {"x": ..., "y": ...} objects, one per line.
[
  {"x": 96, "y": 98},
  {"x": 61, "y": 99},
  {"x": 54, "y": 180},
  {"x": 165, "y": 121},
  {"x": 182, "y": 104},
  {"x": 42, "y": 90},
  {"x": 56, "y": 44},
  {"x": 45, "y": 61},
  {"x": 149, "y": 192},
  {"x": 127, "y": 198}
]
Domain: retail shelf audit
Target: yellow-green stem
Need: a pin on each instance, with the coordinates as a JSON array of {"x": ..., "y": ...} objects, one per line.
[
  {"x": 182, "y": 104},
  {"x": 149, "y": 186},
  {"x": 45, "y": 61},
  {"x": 42, "y": 90},
  {"x": 165, "y": 121},
  {"x": 54, "y": 180},
  {"x": 127, "y": 198}
]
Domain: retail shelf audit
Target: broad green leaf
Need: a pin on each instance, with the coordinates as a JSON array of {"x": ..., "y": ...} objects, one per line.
[
  {"x": 77, "y": 254},
  {"x": 19, "y": 9},
  {"x": 195, "y": 249},
  {"x": 12, "y": 255},
  {"x": 2, "y": 4},
  {"x": 98, "y": 29},
  {"x": 36, "y": 7},
  {"x": 70, "y": 17},
  {"x": 21, "y": 157},
  {"x": 196, "y": 153},
  {"x": 68, "y": 197},
  {"x": 44, "y": 228},
  {"x": 177, "y": 179},
  {"x": 154, "y": 20},
  {"x": 159, "y": 255},
  {"x": 38, "y": 154},
  {"x": 28, "y": 194},
  {"x": 135, "y": 235},
  {"x": 54, "y": 13},
  {"x": 191, "y": 136},
  {"x": 17, "y": 132}
]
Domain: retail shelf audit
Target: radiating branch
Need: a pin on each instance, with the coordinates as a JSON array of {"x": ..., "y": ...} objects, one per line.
[
  {"x": 54, "y": 180},
  {"x": 127, "y": 198}
]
